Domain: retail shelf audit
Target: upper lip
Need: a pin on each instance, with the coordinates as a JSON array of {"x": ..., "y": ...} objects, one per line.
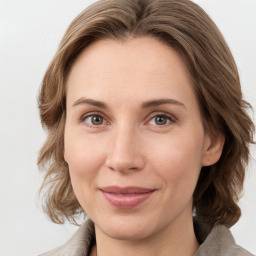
[{"x": 126, "y": 190}]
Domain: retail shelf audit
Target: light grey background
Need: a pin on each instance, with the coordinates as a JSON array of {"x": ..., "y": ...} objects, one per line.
[{"x": 30, "y": 31}]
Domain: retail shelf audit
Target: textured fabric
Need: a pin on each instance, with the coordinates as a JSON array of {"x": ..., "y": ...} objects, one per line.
[
  {"x": 217, "y": 241},
  {"x": 78, "y": 245},
  {"x": 220, "y": 242}
]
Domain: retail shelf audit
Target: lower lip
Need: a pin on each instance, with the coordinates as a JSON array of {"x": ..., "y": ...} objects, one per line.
[{"x": 126, "y": 201}]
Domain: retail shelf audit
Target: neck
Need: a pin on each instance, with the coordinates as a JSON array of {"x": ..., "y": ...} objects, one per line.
[{"x": 178, "y": 239}]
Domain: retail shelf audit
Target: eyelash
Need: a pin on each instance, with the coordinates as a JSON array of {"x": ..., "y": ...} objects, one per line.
[
  {"x": 169, "y": 117},
  {"x": 84, "y": 117}
]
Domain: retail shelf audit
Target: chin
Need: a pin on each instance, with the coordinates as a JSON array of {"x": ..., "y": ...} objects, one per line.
[
  {"x": 129, "y": 233},
  {"x": 128, "y": 228}
]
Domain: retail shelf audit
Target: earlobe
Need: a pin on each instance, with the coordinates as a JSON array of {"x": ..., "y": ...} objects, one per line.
[
  {"x": 213, "y": 149},
  {"x": 64, "y": 156}
]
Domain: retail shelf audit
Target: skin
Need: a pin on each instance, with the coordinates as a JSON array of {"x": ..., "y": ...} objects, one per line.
[{"x": 134, "y": 143}]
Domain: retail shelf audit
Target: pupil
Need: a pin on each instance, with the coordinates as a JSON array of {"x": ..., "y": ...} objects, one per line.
[
  {"x": 97, "y": 120},
  {"x": 161, "y": 120}
]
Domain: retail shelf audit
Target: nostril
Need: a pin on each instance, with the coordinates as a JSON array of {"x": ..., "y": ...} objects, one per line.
[
  {"x": 125, "y": 154},
  {"x": 124, "y": 165}
]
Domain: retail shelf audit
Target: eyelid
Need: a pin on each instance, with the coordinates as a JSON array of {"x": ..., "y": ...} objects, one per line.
[
  {"x": 171, "y": 117},
  {"x": 93, "y": 113}
]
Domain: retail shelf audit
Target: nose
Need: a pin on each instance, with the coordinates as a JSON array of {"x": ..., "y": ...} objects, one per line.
[{"x": 125, "y": 152}]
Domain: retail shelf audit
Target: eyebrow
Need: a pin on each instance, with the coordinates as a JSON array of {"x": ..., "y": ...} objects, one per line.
[
  {"x": 147, "y": 104},
  {"x": 158, "y": 102},
  {"x": 92, "y": 102}
]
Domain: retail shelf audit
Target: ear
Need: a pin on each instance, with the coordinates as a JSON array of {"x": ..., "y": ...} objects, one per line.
[
  {"x": 213, "y": 147},
  {"x": 65, "y": 156}
]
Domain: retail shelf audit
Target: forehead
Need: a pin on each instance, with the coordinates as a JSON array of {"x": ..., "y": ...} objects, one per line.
[
  {"x": 151, "y": 54},
  {"x": 135, "y": 67}
]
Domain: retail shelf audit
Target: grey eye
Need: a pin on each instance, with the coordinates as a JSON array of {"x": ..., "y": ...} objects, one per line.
[
  {"x": 94, "y": 120},
  {"x": 161, "y": 120}
]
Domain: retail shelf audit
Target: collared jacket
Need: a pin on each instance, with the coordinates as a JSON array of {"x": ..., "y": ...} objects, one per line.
[{"x": 217, "y": 241}]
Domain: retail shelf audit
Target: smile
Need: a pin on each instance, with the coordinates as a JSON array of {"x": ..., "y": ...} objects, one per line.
[{"x": 126, "y": 197}]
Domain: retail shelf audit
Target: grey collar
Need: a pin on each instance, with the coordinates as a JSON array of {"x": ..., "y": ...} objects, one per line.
[{"x": 217, "y": 241}]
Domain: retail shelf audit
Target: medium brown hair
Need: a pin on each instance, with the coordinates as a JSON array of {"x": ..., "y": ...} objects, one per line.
[{"x": 185, "y": 27}]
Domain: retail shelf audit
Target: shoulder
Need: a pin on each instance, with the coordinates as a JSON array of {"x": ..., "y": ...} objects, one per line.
[
  {"x": 220, "y": 242},
  {"x": 78, "y": 245}
]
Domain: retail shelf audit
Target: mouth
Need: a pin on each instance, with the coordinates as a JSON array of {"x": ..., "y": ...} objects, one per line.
[{"x": 126, "y": 197}]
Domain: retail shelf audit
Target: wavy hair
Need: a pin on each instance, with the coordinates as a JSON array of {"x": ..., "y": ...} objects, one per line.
[{"x": 185, "y": 27}]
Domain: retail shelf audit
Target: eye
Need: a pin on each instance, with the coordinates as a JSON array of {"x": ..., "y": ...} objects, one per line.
[
  {"x": 161, "y": 120},
  {"x": 94, "y": 120}
]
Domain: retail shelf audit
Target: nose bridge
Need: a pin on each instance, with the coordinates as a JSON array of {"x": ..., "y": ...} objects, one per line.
[{"x": 124, "y": 153}]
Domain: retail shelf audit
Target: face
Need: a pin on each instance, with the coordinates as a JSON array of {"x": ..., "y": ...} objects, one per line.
[{"x": 134, "y": 139}]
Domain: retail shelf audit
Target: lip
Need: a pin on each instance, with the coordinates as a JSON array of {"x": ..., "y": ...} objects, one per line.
[{"x": 126, "y": 197}]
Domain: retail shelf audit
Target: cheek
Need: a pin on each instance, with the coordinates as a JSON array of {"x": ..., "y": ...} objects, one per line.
[
  {"x": 84, "y": 160},
  {"x": 83, "y": 157},
  {"x": 179, "y": 168},
  {"x": 178, "y": 152},
  {"x": 179, "y": 163}
]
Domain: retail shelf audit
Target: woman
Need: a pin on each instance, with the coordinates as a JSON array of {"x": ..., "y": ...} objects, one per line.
[{"x": 148, "y": 132}]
